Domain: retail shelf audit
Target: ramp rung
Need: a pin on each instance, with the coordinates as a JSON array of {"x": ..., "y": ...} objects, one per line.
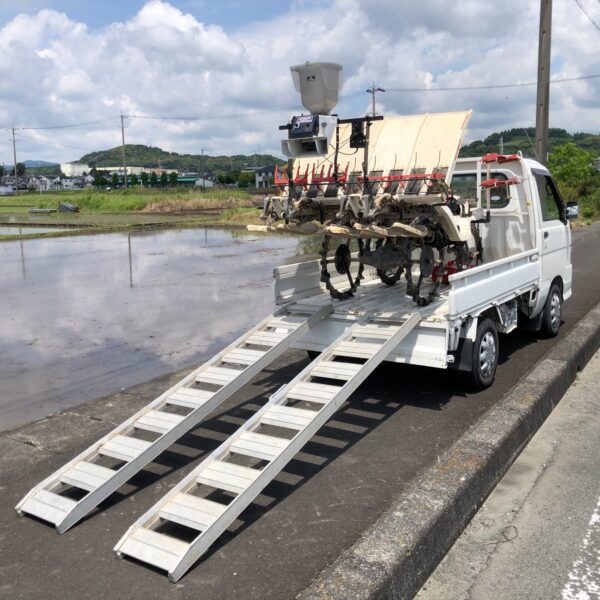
[
  {"x": 287, "y": 322},
  {"x": 227, "y": 476},
  {"x": 242, "y": 356},
  {"x": 87, "y": 476},
  {"x": 48, "y": 506},
  {"x": 188, "y": 510},
  {"x": 217, "y": 375},
  {"x": 189, "y": 397},
  {"x": 158, "y": 421},
  {"x": 157, "y": 549},
  {"x": 124, "y": 447},
  {"x": 356, "y": 349},
  {"x": 313, "y": 392},
  {"x": 258, "y": 445},
  {"x": 335, "y": 370},
  {"x": 375, "y": 331},
  {"x": 266, "y": 338},
  {"x": 288, "y": 416}
]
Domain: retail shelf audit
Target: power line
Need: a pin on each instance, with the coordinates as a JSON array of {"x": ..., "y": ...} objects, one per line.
[
  {"x": 69, "y": 126},
  {"x": 232, "y": 115},
  {"x": 585, "y": 12},
  {"x": 213, "y": 116},
  {"x": 489, "y": 87}
]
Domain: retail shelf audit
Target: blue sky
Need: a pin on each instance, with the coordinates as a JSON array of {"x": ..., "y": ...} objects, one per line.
[
  {"x": 230, "y": 14},
  {"x": 81, "y": 61}
]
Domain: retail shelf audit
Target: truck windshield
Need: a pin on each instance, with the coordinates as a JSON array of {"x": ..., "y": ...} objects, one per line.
[{"x": 465, "y": 186}]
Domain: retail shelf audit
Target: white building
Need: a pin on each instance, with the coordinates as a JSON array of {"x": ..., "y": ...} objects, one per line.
[
  {"x": 74, "y": 169},
  {"x": 71, "y": 183},
  {"x": 204, "y": 183},
  {"x": 119, "y": 170}
]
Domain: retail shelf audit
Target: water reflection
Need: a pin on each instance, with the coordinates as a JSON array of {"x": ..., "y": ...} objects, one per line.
[{"x": 85, "y": 316}]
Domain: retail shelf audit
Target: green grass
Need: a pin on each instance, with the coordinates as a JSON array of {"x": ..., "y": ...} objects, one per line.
[
  {"x": 133, "y": 208},
  {"x": 589, "y": 207},
  {"x": 132, "y": 199}
]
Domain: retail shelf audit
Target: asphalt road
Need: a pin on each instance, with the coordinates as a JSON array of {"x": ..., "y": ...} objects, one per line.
[
  {"x": 396, "y": 425},
  {"x": 538, "y": 534}
]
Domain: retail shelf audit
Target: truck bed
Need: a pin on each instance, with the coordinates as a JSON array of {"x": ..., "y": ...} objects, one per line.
[{"x": 468, "y": 293}]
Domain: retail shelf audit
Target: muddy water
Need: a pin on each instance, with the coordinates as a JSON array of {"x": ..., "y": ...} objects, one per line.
[{"x": 81, "y": 317}]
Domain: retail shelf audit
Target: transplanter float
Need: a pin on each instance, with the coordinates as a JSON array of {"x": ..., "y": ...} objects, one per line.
[{"x": 447, "y": 254}]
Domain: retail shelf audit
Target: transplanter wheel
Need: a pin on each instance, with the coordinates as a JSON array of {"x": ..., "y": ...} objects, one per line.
[
  {"x": 344, "y": 264},
  {"x": 388, "y": 276}
]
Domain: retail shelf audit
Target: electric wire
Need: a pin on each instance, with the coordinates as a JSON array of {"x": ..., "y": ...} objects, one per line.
[
  {"x": 213, "y": 116},
  {"x": 585, "y": 12},
  {"x": 492, "y": 86},
  {"x": 68, "y": 126}
]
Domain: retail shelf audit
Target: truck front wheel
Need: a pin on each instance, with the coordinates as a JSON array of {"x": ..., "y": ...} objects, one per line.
[
  {"x": 552, "y": 312},
  {"x": 485, "y": 355}
]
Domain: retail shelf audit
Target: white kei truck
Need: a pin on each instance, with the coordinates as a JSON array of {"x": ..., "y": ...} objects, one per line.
[{"x": 524, "y": 279}]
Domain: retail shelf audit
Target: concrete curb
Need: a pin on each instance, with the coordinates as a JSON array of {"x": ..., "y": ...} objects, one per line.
[{"x": 396, "y": 555}]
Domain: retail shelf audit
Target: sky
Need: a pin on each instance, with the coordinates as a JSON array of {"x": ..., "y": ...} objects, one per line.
[{"x": 82, "y": 63}]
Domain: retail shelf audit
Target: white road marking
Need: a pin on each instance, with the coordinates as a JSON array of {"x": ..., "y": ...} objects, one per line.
[{"x": 584, "y": 578}]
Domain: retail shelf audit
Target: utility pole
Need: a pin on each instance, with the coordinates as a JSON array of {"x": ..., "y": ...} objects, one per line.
[
  {"x": 123, "y": 148},
  {"x": 373, "y": 90},
  {"x": 543, "y": 83},
  {"x": 501, "y": 144},
  {"x": 202, "y": 174},
  {"x": 15, "y": 161}
]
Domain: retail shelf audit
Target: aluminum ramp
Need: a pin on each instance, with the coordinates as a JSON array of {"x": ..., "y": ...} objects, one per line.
[
  {"x": 109, "y": 463},
  {"x": 248, "y": 460}
]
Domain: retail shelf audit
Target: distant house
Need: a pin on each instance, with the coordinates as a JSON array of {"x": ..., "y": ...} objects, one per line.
[
  {"x": 44, "y": 183},
  {"x": 203, "y": 183},
  {"x": 71, "y": 183},
  {"x": 262, "y": 176},
  {"x": 88, "y": 181}
]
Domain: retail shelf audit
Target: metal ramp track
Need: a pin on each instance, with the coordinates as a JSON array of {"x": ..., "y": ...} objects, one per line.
[
  {"x": 165, "y": 419},
  {"x": 249, "y": 459}
]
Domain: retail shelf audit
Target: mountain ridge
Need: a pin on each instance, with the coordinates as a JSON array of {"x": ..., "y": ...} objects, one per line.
[
  {"x": 522, "y": 139},
  {"x": 140, "y": 155}
]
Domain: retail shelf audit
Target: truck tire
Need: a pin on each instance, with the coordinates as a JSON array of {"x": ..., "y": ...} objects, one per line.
[
  {"x": 552, "y": 312},
  {"x": 485, "y": 355}
]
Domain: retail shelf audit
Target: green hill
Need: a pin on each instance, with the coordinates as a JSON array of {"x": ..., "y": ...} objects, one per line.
[
  {"x": 517, "y": 139},
  {"x": 140, "y": 155}
]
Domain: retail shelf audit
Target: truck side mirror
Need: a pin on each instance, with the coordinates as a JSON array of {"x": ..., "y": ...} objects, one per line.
[{"x": 572, "y": 210}]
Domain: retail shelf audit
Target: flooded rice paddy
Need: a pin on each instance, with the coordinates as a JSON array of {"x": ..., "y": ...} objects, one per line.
[
  {"x": 31, "y": 230},
  {"x": 85, "y": 316}
]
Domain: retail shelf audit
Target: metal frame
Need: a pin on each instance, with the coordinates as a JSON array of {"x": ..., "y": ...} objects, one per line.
[
  {"x": 64, "y": 512},
  {"x": 176, "y": 556}
]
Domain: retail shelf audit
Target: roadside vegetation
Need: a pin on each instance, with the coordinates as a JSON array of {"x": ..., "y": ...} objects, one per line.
[{"x": 578, "y": 179}]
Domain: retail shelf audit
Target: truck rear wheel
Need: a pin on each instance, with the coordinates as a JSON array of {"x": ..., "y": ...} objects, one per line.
[
  {"x": 552, "y": 312},
  {"x": 485, "y": 355}
]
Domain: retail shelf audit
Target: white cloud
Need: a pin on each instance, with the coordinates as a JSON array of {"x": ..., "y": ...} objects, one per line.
[{"x": 166, "y": 62}]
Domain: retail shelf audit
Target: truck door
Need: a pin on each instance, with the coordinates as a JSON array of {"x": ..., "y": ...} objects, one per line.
[{"x": 555, "y": 242}]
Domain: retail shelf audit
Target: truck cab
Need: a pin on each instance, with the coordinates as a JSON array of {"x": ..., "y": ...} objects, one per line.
[{"x": 528, "y": 215}]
